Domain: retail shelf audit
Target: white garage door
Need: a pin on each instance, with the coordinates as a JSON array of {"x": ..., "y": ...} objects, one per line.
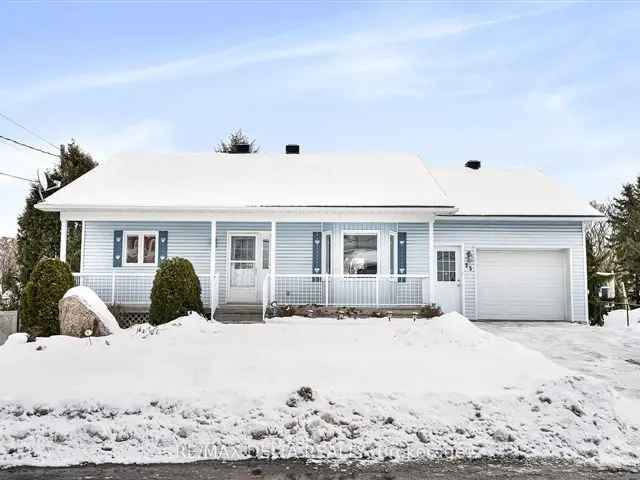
[{"x": 522, "y": 285}]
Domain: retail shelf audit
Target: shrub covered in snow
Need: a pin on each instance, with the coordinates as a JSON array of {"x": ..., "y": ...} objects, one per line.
[
  {"x": 48, "y": 283},
  {"x": 176, "y": 291}
]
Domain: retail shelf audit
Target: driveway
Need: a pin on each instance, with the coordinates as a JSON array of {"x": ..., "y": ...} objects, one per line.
[{"x": 607, "y": 354}]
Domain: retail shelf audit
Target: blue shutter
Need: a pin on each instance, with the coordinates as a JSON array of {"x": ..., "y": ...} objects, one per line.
[
  {"x": 402, "y": 256},
  {"x": 117, "y": 248},
  {"x": 164, "y": 245},
  {"x": 317, "y": 255}
]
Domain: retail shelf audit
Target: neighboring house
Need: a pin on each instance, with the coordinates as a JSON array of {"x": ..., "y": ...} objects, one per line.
[{"x": 370, "y": 230}]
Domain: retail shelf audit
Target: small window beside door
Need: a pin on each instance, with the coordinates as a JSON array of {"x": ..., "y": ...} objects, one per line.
[
  {"x": 446, "y": 260},
  {"x": 327, "y": 253},
  {"x": 393, "y": 259},
  {"x": 265, "y": 254}
]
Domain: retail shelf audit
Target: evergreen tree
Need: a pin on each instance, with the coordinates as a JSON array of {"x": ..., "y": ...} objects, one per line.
[
  {"x": 625, "y": 238},
  {"x": 237, "y": 138},
  {"x": 49, "y": 281},
  {"x": 39, "y": 232}
]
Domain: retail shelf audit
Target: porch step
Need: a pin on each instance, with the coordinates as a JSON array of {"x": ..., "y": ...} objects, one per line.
[{"x": 237, "y": 313}]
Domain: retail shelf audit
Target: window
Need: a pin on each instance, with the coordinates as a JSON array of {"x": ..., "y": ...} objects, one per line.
[
  {"x": 327, "y": 253},
  {"x": 360, "y": 254},
  {"x": 446, "y": 266},
  {"x": 265, "y": 254},
  {"x": 393, "y": 261},
  {"x": 141, "y": 248}
]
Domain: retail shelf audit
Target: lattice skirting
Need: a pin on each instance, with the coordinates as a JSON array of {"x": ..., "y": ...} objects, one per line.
[{"x": 127, "y": 318}]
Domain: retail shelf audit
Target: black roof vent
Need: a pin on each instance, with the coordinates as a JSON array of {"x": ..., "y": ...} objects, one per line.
[
  {"x": 473, "y": 164},
  {"x": 292, "y": 148},
  {"x": 242, "y": 148}
]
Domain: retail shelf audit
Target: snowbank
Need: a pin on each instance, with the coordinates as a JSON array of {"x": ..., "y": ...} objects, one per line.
[
  {"x": 17, "y": 339},
  {"x": 617, "y": 319},
  {"x": 94, "y": 302},
  {"x": 195, "y": 389}
]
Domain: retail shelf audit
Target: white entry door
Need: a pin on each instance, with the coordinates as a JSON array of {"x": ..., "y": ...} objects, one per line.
[
  {"x": 247, "y": 266},
  {"x": 448, "y": 279}
]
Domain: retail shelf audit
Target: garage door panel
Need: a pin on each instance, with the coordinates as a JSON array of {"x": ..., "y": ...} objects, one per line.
[{"x": 522, "y": 285}]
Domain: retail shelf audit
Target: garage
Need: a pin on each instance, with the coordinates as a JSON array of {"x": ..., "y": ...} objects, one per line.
[{"x": 523, "y": 285}]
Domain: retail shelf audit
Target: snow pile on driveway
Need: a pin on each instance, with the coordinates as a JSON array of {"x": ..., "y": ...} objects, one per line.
[
  {"x": 365, "y": 389},
  {"x": 617, "y": 319}
]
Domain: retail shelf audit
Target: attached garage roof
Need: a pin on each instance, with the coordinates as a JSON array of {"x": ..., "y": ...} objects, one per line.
[
  {"x": 509, "y": 192},
  {"x": 211, "y": 180}
]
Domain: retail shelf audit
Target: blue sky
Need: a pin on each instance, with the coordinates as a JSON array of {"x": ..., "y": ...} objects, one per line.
[{"x": 545, "y": 85}]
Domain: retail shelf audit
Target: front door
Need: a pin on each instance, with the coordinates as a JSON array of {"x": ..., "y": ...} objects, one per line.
[
  {"x": 243, "y": 271},
  {"x": 448, "y": 277}
]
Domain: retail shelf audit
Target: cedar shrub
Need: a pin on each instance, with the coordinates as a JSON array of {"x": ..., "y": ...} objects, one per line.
[
  {"x": 49, "y": 281},
  {"x": 176, "y": 290}
]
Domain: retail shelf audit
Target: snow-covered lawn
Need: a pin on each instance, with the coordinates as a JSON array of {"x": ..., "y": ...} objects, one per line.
[
  {"x": 611, "y": 354},
  {"x": 402, "y": 389}
]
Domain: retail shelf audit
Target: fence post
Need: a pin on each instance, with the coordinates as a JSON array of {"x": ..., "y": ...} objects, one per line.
[
  {"x": 627, "y": 309},
  {"x": 113, "y": 288},
  {"x": 326, "y": 290}
]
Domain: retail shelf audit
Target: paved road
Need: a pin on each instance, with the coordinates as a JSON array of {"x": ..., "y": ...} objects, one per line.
[
  {"x": 300, "y": 471},
  {"x": 599, "y": 352}
]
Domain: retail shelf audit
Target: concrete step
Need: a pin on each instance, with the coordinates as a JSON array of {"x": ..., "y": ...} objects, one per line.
[{"x": 237, "y": 313}]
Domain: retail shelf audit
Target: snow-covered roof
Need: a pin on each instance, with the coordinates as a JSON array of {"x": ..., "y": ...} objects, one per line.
[
  {"x": 228, "y": 181},
  {"x": 509, "y": 192},
  {"x": 212, "y": 180}
]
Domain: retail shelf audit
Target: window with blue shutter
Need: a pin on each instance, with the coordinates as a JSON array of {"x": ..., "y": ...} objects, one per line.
[
  {"x": 164, "y": 245},
  {"x": 402, "y": 256},
  {"x": 117, "y": 248},
  {"x": 317, "y": 255}
]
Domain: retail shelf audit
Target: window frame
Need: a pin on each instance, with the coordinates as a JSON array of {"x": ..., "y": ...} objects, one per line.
[
  {"x": 448, "y": 263},
  {"x": 393, "y": 265},
  {"x": 326, "y": 258},
  {"x": 140, "y": 234},
  {"x": 378, "y": 252},
  {"x": 267, "y": 258}
]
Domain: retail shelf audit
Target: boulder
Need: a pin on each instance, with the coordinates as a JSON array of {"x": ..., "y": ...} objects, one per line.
[{"x": 80, "y": 310}]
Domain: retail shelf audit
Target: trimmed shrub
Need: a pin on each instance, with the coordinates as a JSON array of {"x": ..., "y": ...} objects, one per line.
[
  {"x": 49, "y": 281},
  {"x": 176, "y": 291}
]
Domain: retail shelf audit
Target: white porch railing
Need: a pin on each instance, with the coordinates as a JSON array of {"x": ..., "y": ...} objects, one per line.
[
  {"x": 347, "y": 290},
  {"x": 135, "y": 288}
]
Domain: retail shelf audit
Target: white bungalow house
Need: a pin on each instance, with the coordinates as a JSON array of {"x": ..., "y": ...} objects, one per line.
[{"x": 369, "y": 230}]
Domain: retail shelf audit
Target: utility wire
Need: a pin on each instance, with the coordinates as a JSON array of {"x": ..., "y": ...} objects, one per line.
[
  {"x": 29, "y": 146},
  {"x": 6, "y": 117},
  {"x": 16, "y": 176}
]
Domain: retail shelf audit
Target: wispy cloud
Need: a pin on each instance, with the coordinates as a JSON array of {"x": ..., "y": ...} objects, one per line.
[{"x": 363, "y": 45}]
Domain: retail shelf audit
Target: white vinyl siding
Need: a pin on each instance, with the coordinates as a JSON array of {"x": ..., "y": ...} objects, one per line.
[
  {"x": 522, "y": 285},
  {"x": 476, "y": 235}
]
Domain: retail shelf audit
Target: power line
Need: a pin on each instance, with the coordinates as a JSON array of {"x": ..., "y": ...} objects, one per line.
[
  {"x": 16, "y": 176},
  {"x": 29, "y": 146},
  {"x": 6, "y": 117}
]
